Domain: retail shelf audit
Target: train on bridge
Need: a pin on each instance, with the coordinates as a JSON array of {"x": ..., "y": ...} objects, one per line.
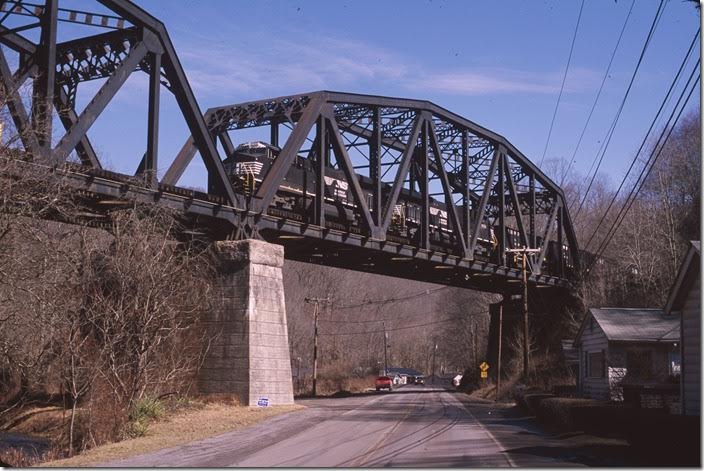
[
  {"x": 251, "y": 161},
  {"x": 426, "y": 194}
]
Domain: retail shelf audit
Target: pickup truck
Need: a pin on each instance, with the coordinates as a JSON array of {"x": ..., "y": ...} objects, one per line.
[{"x": 383, "y": 382}]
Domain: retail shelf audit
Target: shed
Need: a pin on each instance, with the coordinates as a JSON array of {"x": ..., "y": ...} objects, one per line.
[
  {"x": 622, "y": 346},
  {"x": 684, "y": 304}
]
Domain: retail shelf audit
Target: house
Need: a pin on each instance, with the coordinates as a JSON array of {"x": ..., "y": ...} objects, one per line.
[
  {"x": 626, "y": 347},
  {"x": 684, "y": 303}
]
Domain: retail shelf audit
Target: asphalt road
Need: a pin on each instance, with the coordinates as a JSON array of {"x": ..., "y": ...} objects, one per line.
[{"x": 413, "y": 426}]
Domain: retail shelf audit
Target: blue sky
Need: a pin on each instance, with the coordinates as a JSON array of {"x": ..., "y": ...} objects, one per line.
[{"x": 499, "y": 64}]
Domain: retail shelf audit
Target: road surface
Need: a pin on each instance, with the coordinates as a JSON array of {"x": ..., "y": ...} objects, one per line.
[{"x": 422, "y": 426}]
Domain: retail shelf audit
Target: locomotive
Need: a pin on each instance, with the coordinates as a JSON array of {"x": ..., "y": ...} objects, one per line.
[{"x": 294, "y": 199}]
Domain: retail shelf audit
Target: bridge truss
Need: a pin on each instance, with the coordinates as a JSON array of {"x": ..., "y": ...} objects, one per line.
[{"x": 387, "y": 151}]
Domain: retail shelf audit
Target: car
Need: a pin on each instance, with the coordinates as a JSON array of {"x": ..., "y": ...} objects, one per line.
[
  {"x": 384, "y": 382},
  {"x": 420, "y": 380}
]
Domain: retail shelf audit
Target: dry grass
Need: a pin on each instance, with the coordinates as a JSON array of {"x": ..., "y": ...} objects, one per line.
[
  {"x": 184, "y": 427},
  {"x": 488, "y": 390},
  {"x": 328, "y": 386}
]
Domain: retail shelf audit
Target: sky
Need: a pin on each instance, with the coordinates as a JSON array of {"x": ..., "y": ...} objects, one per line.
[{"x": 499, "y": 64}]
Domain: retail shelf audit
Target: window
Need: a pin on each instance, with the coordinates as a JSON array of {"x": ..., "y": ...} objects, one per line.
[
  {"x": 639, "y": 364},
  {"x": 595, "y": 365}
]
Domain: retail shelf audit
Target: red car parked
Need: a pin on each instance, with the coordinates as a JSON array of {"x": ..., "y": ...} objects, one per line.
[{"x": 383, "y": 382}]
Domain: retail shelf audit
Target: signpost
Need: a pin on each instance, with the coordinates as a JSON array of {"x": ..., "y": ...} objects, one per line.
[{"x": 484, "y": 370}]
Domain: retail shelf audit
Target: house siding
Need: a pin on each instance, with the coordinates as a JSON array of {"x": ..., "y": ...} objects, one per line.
[
  {"x": 691, "y": 351},
  {"x": 593, "y": 341}
]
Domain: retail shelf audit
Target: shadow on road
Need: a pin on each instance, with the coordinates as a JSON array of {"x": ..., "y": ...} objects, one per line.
[
  {"x": 523, "y": 438},
  {"x": 348, "y": 394}
]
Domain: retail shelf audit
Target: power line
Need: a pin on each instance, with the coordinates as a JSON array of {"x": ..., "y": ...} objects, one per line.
[
  {"x": 369, "y": 321},
  {"x": 650, "y": 164},
  {"x": 598, "y": 94},
  {"x": 562, "y": 87},
  {"x": 392, "y": 300},
  {"x": 645, "y": 138},
  {"x": 610, "y": 132},
  {"x": 366, "y": 332},
  {"x": 636, "y": 186}
]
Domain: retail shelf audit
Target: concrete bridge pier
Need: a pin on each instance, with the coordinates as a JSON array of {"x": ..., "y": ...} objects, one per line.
[{"x": 249, "y": 352}]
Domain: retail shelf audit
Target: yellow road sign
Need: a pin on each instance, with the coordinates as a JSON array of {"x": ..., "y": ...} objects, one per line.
[
  {"x": 484, "y": 366},
  {"x": 484, "y": 374}
]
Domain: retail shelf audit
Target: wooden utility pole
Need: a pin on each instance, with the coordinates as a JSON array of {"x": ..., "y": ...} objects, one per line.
[
  {"x": 474, "y": 343},
  {"x": 386, "y": 358},
  {"x": 523, "y": 252},
  {"x": 316, "y": 310},
  {"x": 498, "y": 356},
  {"x": 435, "y": 351}
]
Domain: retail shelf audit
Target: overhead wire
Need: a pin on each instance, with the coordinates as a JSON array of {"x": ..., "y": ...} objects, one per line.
[
  {"x": 379, "y": 331},
  {"x": 562, "y": 87},
  {"x": 647, "y": 134},
  {"x": 391, "y": 300},
  {"x": 648, "y": 167},
  {"x": 598, "y": 94},
  {"x": 610, "y": 132},
  {"x": 371, "y": 321},
  {"x": 645, "y": 172}
]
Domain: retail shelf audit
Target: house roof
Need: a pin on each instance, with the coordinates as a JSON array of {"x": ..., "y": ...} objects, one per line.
[
  {"x": 635, "y": 324},
  {"x": 689, "y": 269}
]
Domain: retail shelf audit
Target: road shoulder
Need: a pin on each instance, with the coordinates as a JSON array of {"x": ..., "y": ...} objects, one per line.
[
  {"x": 177, "y": 431},
  {"x": 531, "y": 444}
]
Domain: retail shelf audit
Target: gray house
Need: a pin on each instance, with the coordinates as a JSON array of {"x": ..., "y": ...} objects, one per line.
[
  {"x": 684, "y": 303},
  {"x": 621, "y": 346}
]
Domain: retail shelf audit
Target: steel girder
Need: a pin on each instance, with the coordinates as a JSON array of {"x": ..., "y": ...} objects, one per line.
[
  {"x": 137, "y": 42},
  {"x": 399, "y": 145},
  {"x": 304, "y": 242},
  {"x": 406, "y": 144}
]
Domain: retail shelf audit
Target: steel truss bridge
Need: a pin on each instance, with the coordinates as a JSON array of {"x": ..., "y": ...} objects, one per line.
[{"x": 388, "y": 150}]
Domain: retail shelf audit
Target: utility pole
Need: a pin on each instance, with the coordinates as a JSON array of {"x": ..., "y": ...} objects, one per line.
[
  {"x": 523, "y": 252},
  {"x": 298, "y": 376},
  {"x": 316, "y": 303},
  {"x": 386, "y": 347},
  {"x": 474, "y": 343},
  {"x": 435, "y": 351},
  {"x": 498, "y": 356}
]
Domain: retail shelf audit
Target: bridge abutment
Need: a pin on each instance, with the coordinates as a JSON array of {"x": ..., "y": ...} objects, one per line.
[{"x": 249, "y": 352}]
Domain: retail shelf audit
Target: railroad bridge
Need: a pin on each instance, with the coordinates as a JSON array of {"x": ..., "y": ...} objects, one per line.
[{"x": 392, "y": 186}]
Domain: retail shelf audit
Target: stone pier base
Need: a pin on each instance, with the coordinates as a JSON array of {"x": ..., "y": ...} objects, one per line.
[{"x": 249, "y": 353}]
